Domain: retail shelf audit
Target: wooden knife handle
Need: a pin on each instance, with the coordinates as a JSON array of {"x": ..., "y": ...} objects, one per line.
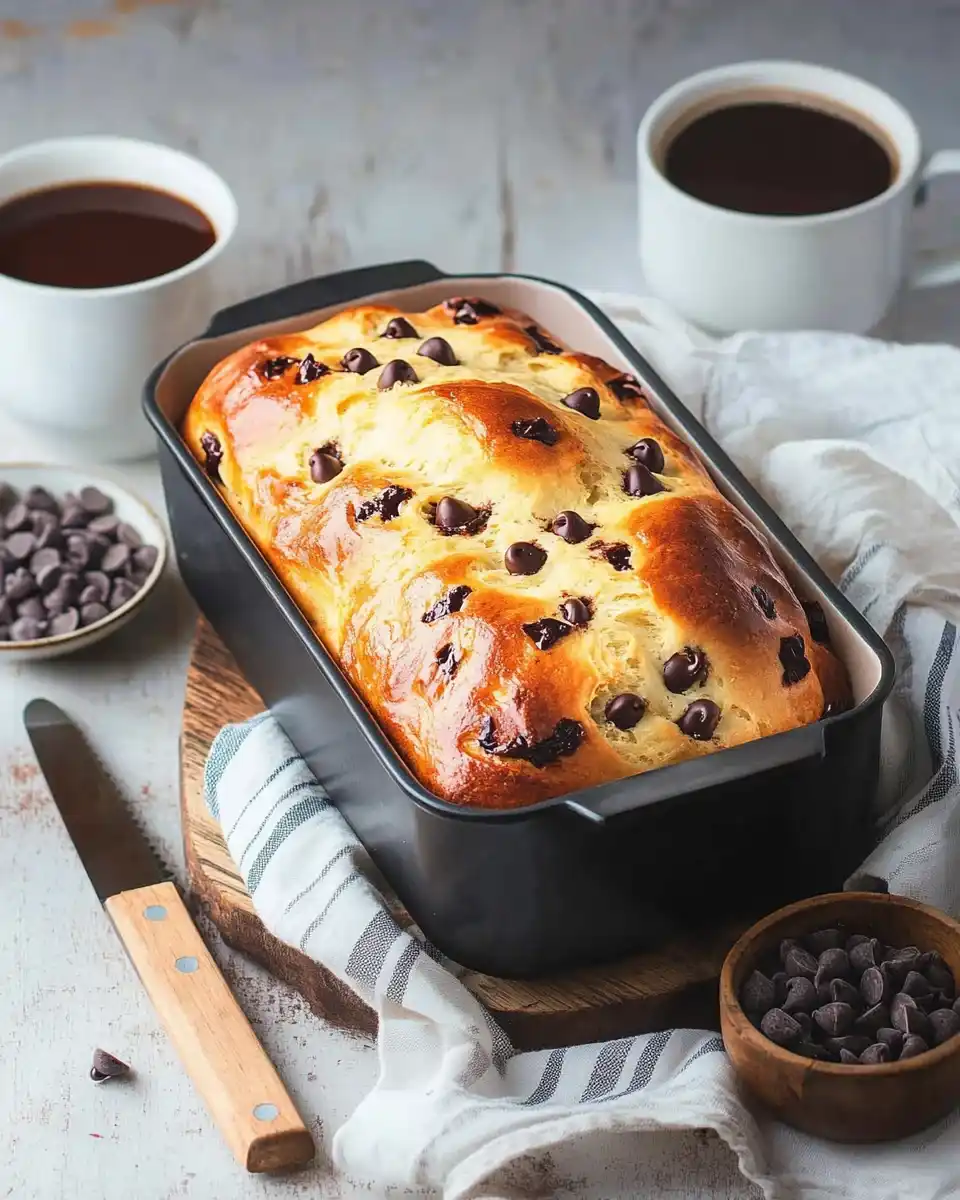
[{"x": 229, "y": 1067}]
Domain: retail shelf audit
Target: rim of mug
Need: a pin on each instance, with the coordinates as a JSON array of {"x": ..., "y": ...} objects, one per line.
[
  {"x": 819, "y": 78},
  {"x": 224, "y": 226}
]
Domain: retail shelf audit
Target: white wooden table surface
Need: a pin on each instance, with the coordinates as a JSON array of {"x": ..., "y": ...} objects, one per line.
[{"x": 474, "y": 134}]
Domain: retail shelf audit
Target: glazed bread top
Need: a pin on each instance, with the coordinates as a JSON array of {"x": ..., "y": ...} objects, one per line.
[{"x": 532, "y": 583}]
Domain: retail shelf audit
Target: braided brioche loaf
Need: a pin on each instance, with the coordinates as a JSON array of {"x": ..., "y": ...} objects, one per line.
[{"x": 530, "y": 580}]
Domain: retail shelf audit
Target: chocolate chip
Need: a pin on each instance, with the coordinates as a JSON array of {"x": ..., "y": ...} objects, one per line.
[
  {"x": 617, "y": 554},
  {"x": 524, "y": 558},
  {"x": 877, "y": 1053},
  {"x": 638, "y": 481},
  {"x": 835, "y": 1018},
  {"x": 20, "y": 546},
  {"x": 843, "y": 989},
  {"x": 535, "y": 429},
  {"x": 797, "y": 961},
  {"x": 758, "y": 993},
  {"x": 792, "y": 659},
  {"x": 649, "y": 454},
  {"x": 67, "y": 621},
  {"x": 685, "y": 668},
  {"x": 115, "y": 558},
  {"x": 780, "y": 1027},
  {"x": 786, "y": 945},
  {"x": 8, "y": 497},
  {"x": 396, "y": 371},
  {"x": 31, "y": 607},
  {"x": 700, "y": 720},
  {"x": 874, "y": 987},
  {"x": 625, "y": 710},
  {"x": 48, "y": 557},
  {"x": 456, "y": 516},
  {"x": 835, "y": 963},
  {"x": 469, "y": 311},
  {"x": 122, "y": 591},
  {"x": 823, "y": 939},
  {"x": 93, "y": 501},
  {"x": 47, "y": 529},
  {"x": 801, "y": 995},
  {"x": 780, "y": 982},
  {"x": 546, "y": 632},
  {"x": 27, "y": 629},
  {"x": 907, "y": 1017},
  {"x": 324, "y": 467},
  {"x": 440, "y": 350},
  {"x": 387, "y": 504},
  {"x": 892, "y": 1038},
  {"x": 447, "y": 658},
  {"x": 873, "y": 1019},
  {"x": 944, "y": 1023},
  {"x": 399, "y": 327},
  {"x": 856, "y": 939},
  {"x": 625, "y": 387},
  {"x": 913, "y": 1045},
  {"x": 359, "y": 361},
  {"x": 575, "y": 611},
  {"x": 130, "y": 536},
  {"x": 91, "y": 613},
  {"x": 107, "y": 1066},
  {"x": 865, "y": 954},
  {"x": 18, "y": 585},
  {"x": 853, "y": 1043},
  {"x": 915, "y": 985},
  {"x": 145, "y": 558},
  {"x": 570, "y": 526},
  {"x": 817, "y": 620},
  {"x": 865, "y": 882},
  {"x": 17, "y": 519},
  {"x": 273, "y": 368},
  {"x": 310, "y": 370},
  {"x": 847, "y": 1057},
  {"x": 74, "y": 516},
  {"x": 764, "y": 602},
  {"x": 48, "y": 577},
  {"x": 449, "y": 602},
  {"x": 77, "y": 552},
  {"x": 212, "y": 458},
  {"x": 564, "y": 741},
  {"x": 585, "y": 400},
  {"x": 809, "y": 1049},
  {"x": 106, "y": 525},
  {"x": 542, "y": 343}
]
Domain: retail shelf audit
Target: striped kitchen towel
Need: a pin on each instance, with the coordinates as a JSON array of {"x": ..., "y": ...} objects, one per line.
[{"x": 857, "y": 444}]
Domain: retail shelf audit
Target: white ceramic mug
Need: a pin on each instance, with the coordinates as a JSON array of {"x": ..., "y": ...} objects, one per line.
[
  {"x": 74, "y": 359},
  {"x": 728, "y": 270}
]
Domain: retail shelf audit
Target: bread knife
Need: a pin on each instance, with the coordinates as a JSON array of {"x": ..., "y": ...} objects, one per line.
[{"x": 218, "y": 1048}]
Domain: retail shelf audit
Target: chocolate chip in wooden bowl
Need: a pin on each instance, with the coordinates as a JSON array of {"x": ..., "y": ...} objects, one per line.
[
  {"x": 358, "y": 361},
  {"x": 649, "y": 454},
  {"x": 780, "y": 1027},
  {"x": 793, "y": 659},
  {"x": 638, "y": 481},
  {"x": 801, "y": 995},
  {"x": 872, "y": 1020},
  {"x": 867, "y": 953},
  {"x": 944, "y": 1024},
  {"x": 396, "y": 371},
  {"x": 892, "y": 1038},
  {"x": 700, "y": 720},
  {"x": 450, "y": 602},
  {"x": 913, "y": 1045},
  {"x": 546, "y": 632},
  {"x": 586, "y": 401},
  {"x": 764, "y": 602},
  {"x": 310, "y": 370},
  {"x": 570, "y": 526},
  {"x": 685, "y": 668},
  {"x": 798, "y": 961},
  {"x": 524, "y": 558},
  {"x": 875, "y": 1054},
  {"x": 625, "y": 711},
  {"x": 575, "y": 610},
  {"x": 469, "y": 310},
  {"x": 535, "y": 429},
  {"x": 440, "y": 350},
  {"x": 758, "y": 994},
  {"x": 843, "y": 990}
]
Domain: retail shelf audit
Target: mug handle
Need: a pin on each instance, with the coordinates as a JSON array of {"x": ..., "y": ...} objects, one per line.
[{"x": 938, "y": 267}]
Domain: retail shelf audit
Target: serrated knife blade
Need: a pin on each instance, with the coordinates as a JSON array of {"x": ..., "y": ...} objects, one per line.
[
  {"x": 216, "y": 1044},
  {"x": 112, "y": 847}
]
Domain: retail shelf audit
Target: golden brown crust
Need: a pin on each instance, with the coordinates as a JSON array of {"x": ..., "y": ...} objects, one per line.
[{"x": 486, "y": 703}]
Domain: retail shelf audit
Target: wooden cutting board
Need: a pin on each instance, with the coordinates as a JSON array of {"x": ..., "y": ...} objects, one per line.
[{"x": 674, "y": 986}]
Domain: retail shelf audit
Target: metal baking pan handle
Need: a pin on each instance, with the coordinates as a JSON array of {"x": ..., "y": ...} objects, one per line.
[
  {"x": 319, "y": 292},
  {"x": 791, "y": 749}
]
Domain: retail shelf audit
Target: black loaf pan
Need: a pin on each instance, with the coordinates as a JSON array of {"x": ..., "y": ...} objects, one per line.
[{"x": 580, "y": 878}]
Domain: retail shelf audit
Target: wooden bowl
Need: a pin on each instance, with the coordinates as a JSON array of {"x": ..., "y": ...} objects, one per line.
[{"x": 833, "y": 1100}]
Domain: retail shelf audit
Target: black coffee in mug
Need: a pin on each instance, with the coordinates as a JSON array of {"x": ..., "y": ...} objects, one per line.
[
  {"x": 95, "y": 235},
  {"x": 778, "y": 157}
]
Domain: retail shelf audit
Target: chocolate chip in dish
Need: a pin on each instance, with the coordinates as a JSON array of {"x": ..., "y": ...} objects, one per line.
[
  {"x": 71, "y": 558},
  {"x": 457, "y": 493}
]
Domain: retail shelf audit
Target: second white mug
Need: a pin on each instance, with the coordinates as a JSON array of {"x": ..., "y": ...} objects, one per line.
[{"x": 728, "y": 270}]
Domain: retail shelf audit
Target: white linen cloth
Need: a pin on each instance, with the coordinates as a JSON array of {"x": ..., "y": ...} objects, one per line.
[{"x": 856, "y": 443}]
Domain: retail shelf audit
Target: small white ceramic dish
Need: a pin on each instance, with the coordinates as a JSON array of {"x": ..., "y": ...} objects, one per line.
[{"x": 129, "y": 508}]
